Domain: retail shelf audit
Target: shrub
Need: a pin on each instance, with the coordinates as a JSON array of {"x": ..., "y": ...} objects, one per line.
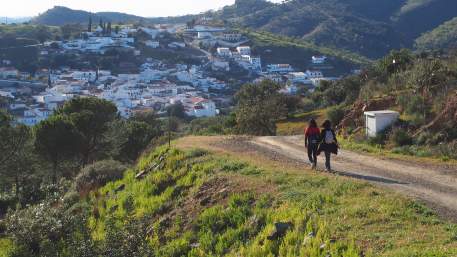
[
  {"x": 448, "y": 150},
  {"x": 380, "y": 138},
  {"x": 423, "y": 138},
  {"x": 6, "y": 201},
  {"x": 38, "y": 230},
  {"x": 335, "y": 114},
  {"x": 308, "y": 105},
  {"x": 70, "y": 198},
  {"x": 98, "y": 174},
  {"x": 400, "y": 137},
  {"x": 208, "y": 126}
]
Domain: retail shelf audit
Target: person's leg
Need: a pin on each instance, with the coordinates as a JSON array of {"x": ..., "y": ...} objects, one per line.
[
  {"x": 310, "y": 153},
  {"x": 315, "y": 146},
  {"x": 327, "y": 160}
]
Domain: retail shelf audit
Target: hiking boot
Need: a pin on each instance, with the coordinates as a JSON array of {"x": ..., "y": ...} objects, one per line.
[
  {"x": 328, "y": 170},
  {"x": 313, "y": 166}
]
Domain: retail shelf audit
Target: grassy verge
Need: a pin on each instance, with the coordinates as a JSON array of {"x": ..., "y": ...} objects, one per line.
[
  {"x": 296, "y": 124},
  {"x": 197, "y": 203},
  {"x": 398, "y": 153}
]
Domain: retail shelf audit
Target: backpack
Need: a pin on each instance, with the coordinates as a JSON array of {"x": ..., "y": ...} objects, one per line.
[
  {"x": 313, "y": 138},
  {"x": 329, "y": 137}
]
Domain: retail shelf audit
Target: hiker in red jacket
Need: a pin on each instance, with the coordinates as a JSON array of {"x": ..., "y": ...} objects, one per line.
[
  {"x": 328, "y": 143},
  {"x": 312, "y": 138}
]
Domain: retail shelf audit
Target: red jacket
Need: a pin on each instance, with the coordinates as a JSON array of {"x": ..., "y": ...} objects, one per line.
[
  {"x": 312, "y": 135},
  {"x": 312, "y": 131}
]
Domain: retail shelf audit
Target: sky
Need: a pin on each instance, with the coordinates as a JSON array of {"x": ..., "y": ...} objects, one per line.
[{"x": 146, "y": 8}]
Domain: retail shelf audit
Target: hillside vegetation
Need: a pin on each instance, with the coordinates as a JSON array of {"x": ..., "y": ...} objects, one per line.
[
  {"x": 443, "y": 37},
  {"x": 265, "y": 40},
  {"x": 60, "y": 15},
  {"x": 371, "y": 28},
  {"x": 410, "y": 5},
  {"x": 198, "y": 203},
  {"x": 422, "y": 88}
]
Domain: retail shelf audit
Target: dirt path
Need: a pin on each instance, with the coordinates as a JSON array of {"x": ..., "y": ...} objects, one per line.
[{"x": 436, "y": 185}]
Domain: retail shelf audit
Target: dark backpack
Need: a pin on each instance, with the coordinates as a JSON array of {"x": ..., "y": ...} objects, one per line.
[{"x": 313, "y": 138}]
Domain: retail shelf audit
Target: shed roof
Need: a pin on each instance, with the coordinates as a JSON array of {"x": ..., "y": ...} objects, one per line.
[{"x": 382, "y": 112}]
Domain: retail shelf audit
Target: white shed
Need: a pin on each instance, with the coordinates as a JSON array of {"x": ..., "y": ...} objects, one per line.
[{"x": 377, "y": 121}]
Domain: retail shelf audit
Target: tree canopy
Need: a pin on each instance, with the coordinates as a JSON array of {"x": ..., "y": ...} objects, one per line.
[
  {"x": 91, "y": 117},
  {"x": 56, "y": 140},
  {"x": 259, "y": 107}
]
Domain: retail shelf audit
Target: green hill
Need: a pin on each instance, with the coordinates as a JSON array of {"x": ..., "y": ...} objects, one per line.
[
  {"x": 368, "y": 27},
  {"x": 371, "y": 28},
  {"x": 60, "y": 15},
  {"x": 420, "y": 16},
  {"x": 444, "y": 36}
]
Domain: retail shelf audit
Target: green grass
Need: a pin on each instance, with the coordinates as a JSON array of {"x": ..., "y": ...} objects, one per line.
[
  {"x": 417, "y": 153},
  {"x": 6, "y": 247},
  {"x": 296, "y": 124},
  {"x": 199, "y": 203},
  {"x": 221, "y": 230},
  {"x": 264, "y": 37},
  {"x": 348, "y": 218}
]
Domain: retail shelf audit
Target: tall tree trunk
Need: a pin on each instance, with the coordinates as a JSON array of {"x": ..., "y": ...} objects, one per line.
[
  {"x": 85, "y": 159},
  {"x": 54, "y": 176},
  {"x": 16, "y": 178}
]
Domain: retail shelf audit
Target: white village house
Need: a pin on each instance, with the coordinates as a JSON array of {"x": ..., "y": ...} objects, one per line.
[
  {"x": 196, "y": 106},
  {"x": 231, "y": 36},
  {"x": 244, "y": 50},
  {"x": 318, "y": 59},
  {"x": 279, "y": 68},
  {"x": 224, "y": 52},
  {"x": 34, "y": 116},
  {"x": 8, "y": 72},
  {"x": 152, "y": 44}
]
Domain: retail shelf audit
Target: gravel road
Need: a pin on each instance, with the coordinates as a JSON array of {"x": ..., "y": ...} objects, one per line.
[{"x": 434, "y": 184}]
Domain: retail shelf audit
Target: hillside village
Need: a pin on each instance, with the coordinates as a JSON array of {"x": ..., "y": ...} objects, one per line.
[
  {"x": 152, "y": 84},
  {"x": 258, "y": 129}
]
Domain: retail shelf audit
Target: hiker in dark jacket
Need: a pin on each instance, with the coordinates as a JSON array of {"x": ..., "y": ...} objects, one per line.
[
  {"x": 312, "y": 138},
  {"x": 328, "y": 143}
]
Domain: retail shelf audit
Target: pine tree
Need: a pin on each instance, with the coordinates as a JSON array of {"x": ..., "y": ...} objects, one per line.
[
  {"x": 49, "y": 79},
  {"x": 109, "y": 28},
  {"x": 89, "y": 28}
]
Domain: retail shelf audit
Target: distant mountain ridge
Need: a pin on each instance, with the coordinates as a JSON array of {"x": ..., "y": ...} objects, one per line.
[
  {"x": 60, "y": 15},
  {"x": 368, "y": 27},
  {"x": 444, "y": 36}
]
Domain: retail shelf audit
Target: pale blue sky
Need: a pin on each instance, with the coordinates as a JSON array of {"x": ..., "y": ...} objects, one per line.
[{"x": 146, "y": 8}]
